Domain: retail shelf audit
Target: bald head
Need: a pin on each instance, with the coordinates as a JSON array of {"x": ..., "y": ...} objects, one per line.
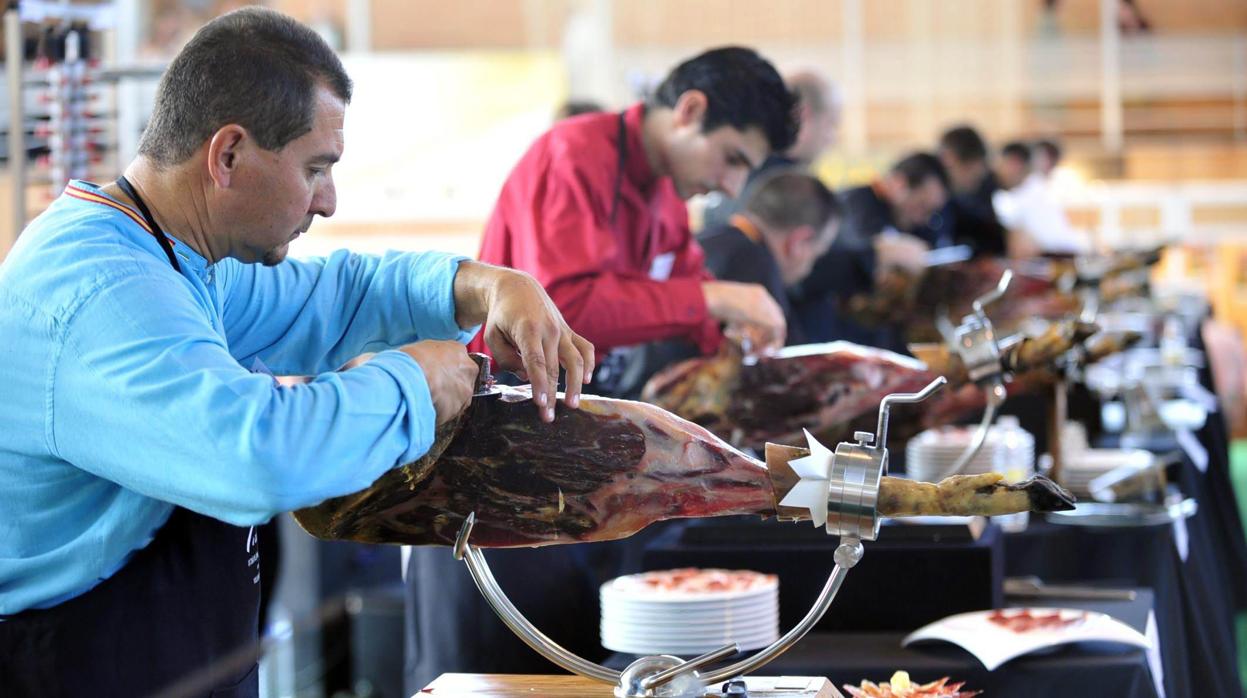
[{"x": 818, "y": 103}]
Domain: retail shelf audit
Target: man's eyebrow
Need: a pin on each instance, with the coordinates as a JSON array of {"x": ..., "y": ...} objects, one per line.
[{"x": 324, "y": 158}]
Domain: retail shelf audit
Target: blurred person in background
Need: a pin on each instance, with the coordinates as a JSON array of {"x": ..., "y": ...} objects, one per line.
[
  {"x": 877, "y": 234},
  {"x": 968, "y": 218},
  {"x": 788, "y": 221},
  {"x": 1035, "y": 222},
  {"x": 1045, "y": 156},
  {"x": 819, "y": 112},
  {"x": 595, "y": 210},
  {"x": 576, "y": 107}
]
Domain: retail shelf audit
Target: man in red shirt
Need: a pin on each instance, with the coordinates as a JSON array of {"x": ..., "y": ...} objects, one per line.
[{"x": 595, "y": 209}]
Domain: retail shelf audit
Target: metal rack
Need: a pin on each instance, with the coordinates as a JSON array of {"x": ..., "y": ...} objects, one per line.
[
  {"x": 852, "y": 490},
  {"x": 77, "y": 120}
]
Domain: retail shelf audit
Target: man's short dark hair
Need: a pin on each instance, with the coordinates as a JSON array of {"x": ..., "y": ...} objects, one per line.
[
  {"x": 1050, "y": 148},
  {"x": 917, "y": 168},
  {"x": 1017, "y": 149},
  {"x": 965, "y": 144},
  {"x": 742, "y": 90},
  {"x": 789, "y": 199},
  {"x": 576, "y": 107},
  {"x": 253, "y": 67}
]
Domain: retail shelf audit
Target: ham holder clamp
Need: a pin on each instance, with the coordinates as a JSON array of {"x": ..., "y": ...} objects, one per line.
[
  {"x": 974, "y": 340},
  {"x": 840, "y": 490}
]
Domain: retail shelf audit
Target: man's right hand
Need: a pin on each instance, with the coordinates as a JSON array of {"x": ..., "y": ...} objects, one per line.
[
  {"x": 748, "y": 305},
  {"x": 450, "y": 373},
  {"x": 902, "y": 250}
]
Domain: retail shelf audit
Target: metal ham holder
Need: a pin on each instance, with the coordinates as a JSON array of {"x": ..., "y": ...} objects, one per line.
[
  {"x": 852, "y": 487},
  {"x": 975, "y": 342}
]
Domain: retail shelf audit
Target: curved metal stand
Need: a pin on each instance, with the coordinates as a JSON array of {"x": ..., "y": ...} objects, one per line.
[
  {"x": 853, "y": 491},
  {"x": 995, "y": 398},
  {"x": 649, "y": 674}
]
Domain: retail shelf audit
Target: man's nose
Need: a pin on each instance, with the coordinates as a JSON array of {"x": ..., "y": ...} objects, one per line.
[
  {"x": 733, "y": 181},
  {"x": 325, "y": 200}
]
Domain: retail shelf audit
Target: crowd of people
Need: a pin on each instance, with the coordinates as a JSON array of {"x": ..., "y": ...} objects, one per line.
[{"x": 146, "y": 317}]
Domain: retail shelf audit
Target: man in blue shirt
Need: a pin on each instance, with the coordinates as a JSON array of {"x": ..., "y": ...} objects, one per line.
[{"x": 137, "y": 446}]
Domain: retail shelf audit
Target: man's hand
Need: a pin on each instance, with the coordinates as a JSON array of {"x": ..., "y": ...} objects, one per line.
[
  {"x": 750, "y": 307},
  {"x": 524, "y": 331},
  {"x": 902, "y": 250},
  {"x": 450, "y": 373}
]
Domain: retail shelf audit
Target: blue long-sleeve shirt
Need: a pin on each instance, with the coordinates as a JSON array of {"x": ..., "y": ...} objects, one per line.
[{"x": 125, "y": 389}]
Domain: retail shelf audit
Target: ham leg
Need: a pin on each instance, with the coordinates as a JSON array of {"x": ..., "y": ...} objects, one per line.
[
  {"x": 602, "y": 472},
  {"x": 814, "y": 387}
]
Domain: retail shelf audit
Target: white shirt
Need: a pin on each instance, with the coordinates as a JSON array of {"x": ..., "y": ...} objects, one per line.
[{"x": 1032, "y": 209}]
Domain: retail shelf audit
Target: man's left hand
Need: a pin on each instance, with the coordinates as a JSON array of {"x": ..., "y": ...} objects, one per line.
[{"x": 524, "y": 331}]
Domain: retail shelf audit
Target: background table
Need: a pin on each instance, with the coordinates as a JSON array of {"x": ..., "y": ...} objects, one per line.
[{"x": 1080, "y": 670}]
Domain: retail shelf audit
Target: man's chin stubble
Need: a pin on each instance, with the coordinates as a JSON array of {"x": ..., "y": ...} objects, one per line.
[{"x": 274, "y": 256}]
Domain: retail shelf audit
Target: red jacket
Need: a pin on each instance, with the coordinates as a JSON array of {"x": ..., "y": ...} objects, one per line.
[{"x": 633, "y": 280}]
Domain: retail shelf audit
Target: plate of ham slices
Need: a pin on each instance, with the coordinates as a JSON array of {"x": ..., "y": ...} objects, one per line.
[
  {"x": 900, "y": 686},
  {"x": 689, "y": 611},
  {"x": 997, "y": 636}
]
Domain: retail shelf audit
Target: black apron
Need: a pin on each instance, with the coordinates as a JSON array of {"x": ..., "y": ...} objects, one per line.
[{"x": 178, "y": 619}]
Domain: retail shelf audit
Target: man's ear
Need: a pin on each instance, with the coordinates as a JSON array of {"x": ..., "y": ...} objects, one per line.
[
  {"x": 225, "y": 149},
  {"x": 690, "y": 109}
]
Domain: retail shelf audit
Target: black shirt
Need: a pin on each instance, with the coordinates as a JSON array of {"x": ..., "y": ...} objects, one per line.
[
  {"x": 969, "y": 219},
  {"x": 847, "y": 269}
]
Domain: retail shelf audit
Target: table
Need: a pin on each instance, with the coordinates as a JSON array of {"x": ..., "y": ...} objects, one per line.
[
  {"x": 546, "y": 686},
  {"x": 1083, "y": 670}
]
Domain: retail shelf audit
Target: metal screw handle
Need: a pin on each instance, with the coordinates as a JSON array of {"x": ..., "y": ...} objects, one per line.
[
  {"x": 885, "y": 406},
  {"x": 995, "y": 294}
]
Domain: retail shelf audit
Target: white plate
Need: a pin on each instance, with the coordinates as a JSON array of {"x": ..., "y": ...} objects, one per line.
[
  {"x": 660, "y": 646},
  {"x": 686, "y": 634},
  {"x": 993, "y": 644},
  {"x": 625, "y": 588},
  {"x": 654, "y": 620},
  {"x": 670, "y": 610}
]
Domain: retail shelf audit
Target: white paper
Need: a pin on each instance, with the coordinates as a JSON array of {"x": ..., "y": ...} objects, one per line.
[
  {"x": 993, "y": 645},
  {"x": 660, "y": 268}
]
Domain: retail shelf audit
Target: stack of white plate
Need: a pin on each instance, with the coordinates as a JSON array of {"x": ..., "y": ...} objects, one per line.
[
  {"x": 1008, "y": 449},
  {"x": 1081, "y": 467},
  {"x": 687, "y": 612}
]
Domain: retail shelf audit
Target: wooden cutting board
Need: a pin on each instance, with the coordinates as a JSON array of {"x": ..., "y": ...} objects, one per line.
[{"x": 547, "y": 686}]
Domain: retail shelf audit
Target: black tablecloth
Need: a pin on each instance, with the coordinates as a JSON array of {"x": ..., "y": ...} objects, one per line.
[
  {"x": 1131, "y": 556},
  {"x": 1217, "y": 494},
  {"x": 1081, "y": 670},
  {"x": 1209, "y": 584}
]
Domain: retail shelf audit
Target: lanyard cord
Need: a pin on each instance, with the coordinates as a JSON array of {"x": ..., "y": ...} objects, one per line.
[
  {"x": 125, "y": 186},
  {"x": 621, "y": 142}
]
